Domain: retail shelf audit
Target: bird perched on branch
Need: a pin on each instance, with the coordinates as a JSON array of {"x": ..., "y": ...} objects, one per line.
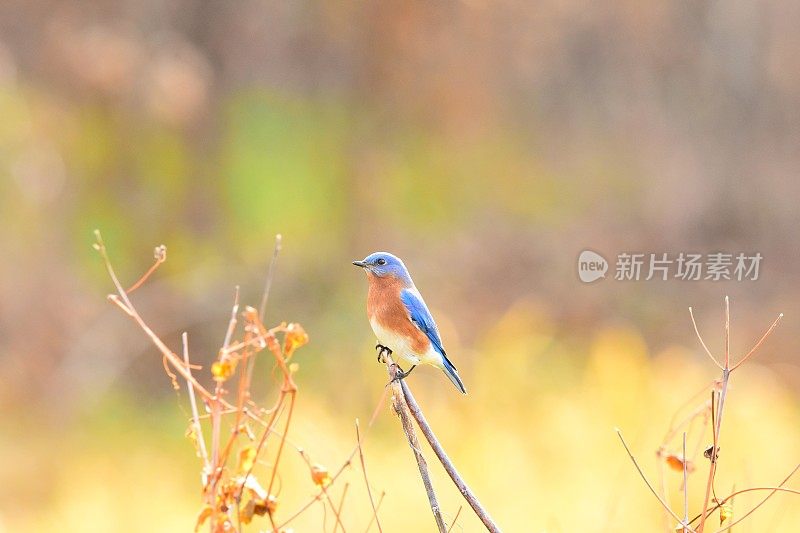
[{"x": 400, "y": 319}]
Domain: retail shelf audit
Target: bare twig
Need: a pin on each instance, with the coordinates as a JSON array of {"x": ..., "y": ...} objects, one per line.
[
  {"x": 401, "y": 407},
  {"x": 160, "y": 255},
  {"x": 268, "y": 281},
  {"x": 647, "y": 482},
  {"x": 759, "y": 343},
  {"x": 341, "y": 504},
  {"x": 366, "y": 478},
  {"x": 465, "y": 491},
  {"x": 455, "y": 519},
  {"x": 685, "y": 485},
  {"x": 201, "y": 443},
  {"x": 700, "y": 338},
  {"x": 773, "y": 490},
  {"x": 375, "y": 514}
]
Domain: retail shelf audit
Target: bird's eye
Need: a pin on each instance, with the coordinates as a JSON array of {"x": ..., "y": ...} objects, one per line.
[{"x": 380, "y": 261}]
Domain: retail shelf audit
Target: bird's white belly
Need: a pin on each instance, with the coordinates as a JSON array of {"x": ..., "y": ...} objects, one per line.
[{"x": 401, "y": 346}]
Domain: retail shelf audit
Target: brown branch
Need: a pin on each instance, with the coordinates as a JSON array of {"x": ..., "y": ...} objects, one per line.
[
  {"x": 772, "y": 490},
  {"x": 702, "y": 343},
  {"x": 195, "y": 415},
  {"x": 160, "y": 254},
  {"x": 455, "y": 519},
  {"x": 366, "y": 478},
  {"x": 759, "y": 343},
  {"x": 650, "y": 486},
  {"x": 401, "y": 407},
  {"x": 341, "y": 504},
  {"x": 268, "y": 281},
  {"x": 377, "y": 507},
  {"x": 344, "y": 465},
  {"x": 465, "y": 491}
]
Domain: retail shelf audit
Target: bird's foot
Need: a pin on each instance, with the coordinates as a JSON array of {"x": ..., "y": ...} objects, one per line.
[
  {"x": 403, "y": 375},
  {"x": 383, "y": 351}
]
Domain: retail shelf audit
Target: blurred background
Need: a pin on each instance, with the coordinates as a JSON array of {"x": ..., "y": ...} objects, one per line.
[{"x": 487, "y": 145}]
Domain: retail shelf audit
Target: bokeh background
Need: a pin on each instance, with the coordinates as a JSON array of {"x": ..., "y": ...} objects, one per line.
[{"x": 485, "y": 143}]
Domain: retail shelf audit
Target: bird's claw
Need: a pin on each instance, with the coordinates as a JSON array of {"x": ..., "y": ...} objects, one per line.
[
  {"x": 402, "y": 375},
  {"x": 383, "y": 351}
]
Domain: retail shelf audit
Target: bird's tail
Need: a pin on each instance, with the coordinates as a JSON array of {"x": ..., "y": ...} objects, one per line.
[{"x": 451, "y": 372}]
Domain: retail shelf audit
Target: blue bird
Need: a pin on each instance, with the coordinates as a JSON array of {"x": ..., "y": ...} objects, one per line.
[{"x": 399, "y": 317}]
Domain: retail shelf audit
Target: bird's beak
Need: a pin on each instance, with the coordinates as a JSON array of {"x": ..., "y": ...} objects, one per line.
[{"x": 361, "y": 264}]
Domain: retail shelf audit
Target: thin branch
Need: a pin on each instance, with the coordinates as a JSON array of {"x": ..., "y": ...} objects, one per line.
[
  {"x": 325, "y": 492},
  {"x": 341, "y": 504},
  {"x": 455, "y": 519},
  {"x": 232, "y": 321},
  {"x": 160, "y": 254},
  {"x": 758, "y": 344},
  {"x": 700, "y": 338},
  {"x": 751, "y": 511},
  {"x": 727, "y": 332},
  {"x": 649, "y": 486},
  {"x": 195, "y": 415},
  {"x": 685, "y": 485},
  {"x": 400, "y": 405},
  {"x": 377, "y": 508},
  {"x": 268, "y": 281},
  {"x": 366, "y": 479},
  {"x": 465, "y": 491},
  {"x": 344, "y": 465}
]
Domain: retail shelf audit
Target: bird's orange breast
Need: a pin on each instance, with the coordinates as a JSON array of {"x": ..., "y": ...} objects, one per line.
[{"x": 385, "y": 306}]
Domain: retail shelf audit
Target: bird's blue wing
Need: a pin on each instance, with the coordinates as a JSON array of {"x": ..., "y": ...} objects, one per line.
[{"x": 421, "y": 317}]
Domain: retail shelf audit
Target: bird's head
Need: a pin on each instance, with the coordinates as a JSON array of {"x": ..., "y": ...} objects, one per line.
[{"x": 384, "y": 265}]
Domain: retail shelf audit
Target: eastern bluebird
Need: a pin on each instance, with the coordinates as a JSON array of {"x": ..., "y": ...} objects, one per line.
[{"x": 399, "y": 317}]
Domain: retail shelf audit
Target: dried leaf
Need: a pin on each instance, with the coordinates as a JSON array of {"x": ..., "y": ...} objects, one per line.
[
  {"x": 247, "y": 459},
  {"x": 191, "y": 434},
  {"x": 222, "y": 370},
  {"x": 725, "y": 513},
  {"x": 205, "y": 513},
  {"x": 320, "y": 475},
  {"x": 263, "y": 506},
  {"x": 295, "y": 337},
  {"x": 247, "y": 512},
  {"x": 675, "y": 462}
]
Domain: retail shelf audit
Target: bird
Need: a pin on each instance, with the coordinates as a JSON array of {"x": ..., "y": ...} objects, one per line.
[{"x": 400, "y": 319}]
